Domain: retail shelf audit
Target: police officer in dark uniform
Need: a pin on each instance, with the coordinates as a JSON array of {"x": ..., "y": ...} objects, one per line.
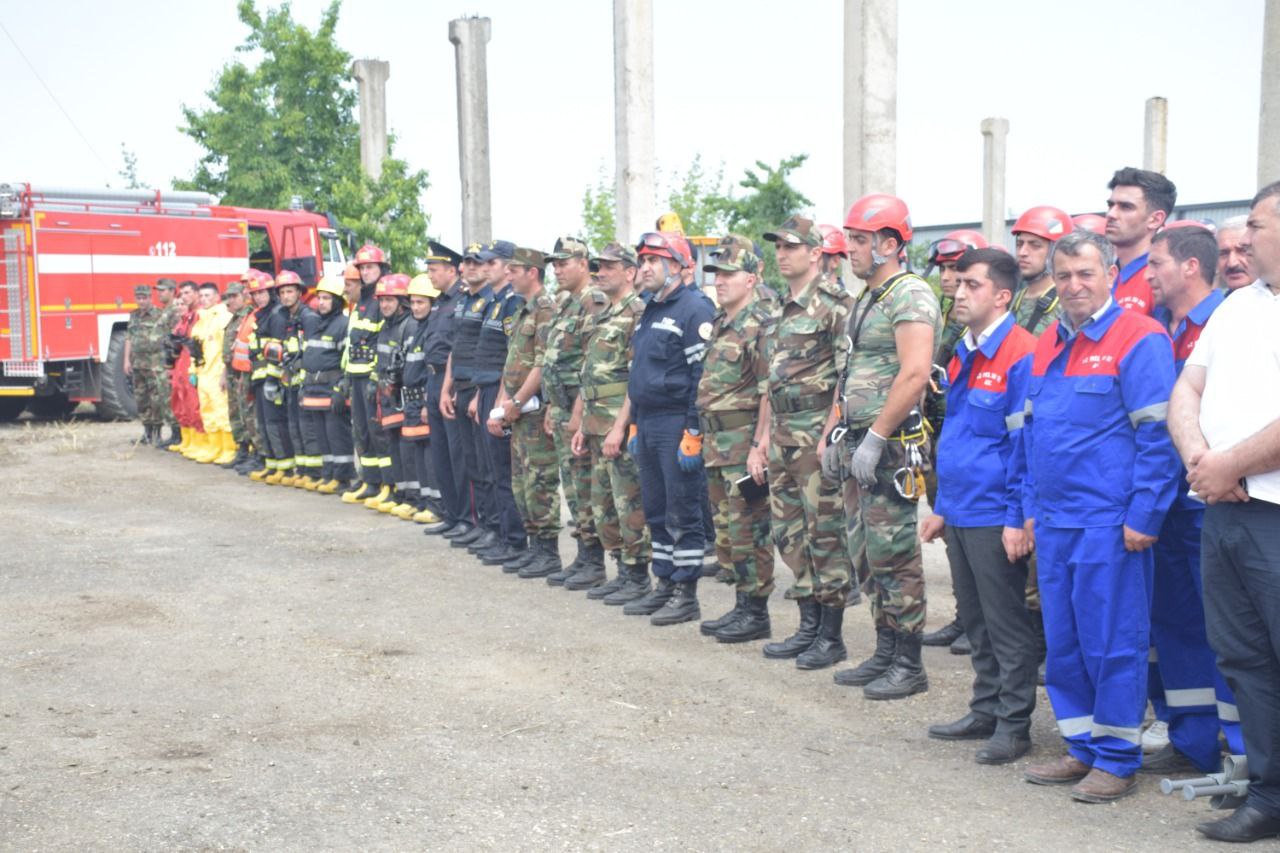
[{"x": 668, "y": 348}]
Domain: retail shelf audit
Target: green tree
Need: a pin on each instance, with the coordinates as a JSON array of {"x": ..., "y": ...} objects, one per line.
[
  {"x": 599, "y": 222},
  {"x": 129, "y": 171},
  {"x": 696, "y": 197},
  {"x": 287, "y": 128},
  {"x": 768, "y": 201}
]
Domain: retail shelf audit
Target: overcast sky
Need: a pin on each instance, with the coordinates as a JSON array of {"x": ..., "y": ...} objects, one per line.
[{"x": 735, "y": 82}]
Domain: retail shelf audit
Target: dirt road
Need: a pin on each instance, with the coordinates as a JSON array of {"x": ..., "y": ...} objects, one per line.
[{"x": 192, "y": 661}]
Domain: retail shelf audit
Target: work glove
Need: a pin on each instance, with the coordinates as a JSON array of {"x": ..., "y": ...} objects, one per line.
[
  {"x": 831, "y": 463},
  {"x": 633, "y": 444},
  {"x": 271, "y": 390},
  {"x": 689, "y": 455},
  {"x": 191, "y": 377},
  {"x": 866, "y": 458}
]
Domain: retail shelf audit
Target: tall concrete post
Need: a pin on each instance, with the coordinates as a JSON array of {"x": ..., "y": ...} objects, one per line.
[
  {"x": 1269, "y": 114},
  {"x": 372, "y": 76},
  {"x": 995, "y": 133},
  {"x": 870, "y": 97},
  {"x": 469, "y": 37},
  {"x": 634, "y": 193},
  {"x": 1155, "y": 136}
]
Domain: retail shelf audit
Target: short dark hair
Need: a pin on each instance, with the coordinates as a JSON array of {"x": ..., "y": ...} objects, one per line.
[
  {"x": 885, "y": 233},
  {"x": 1002, "y": 269},
  {"x": 1157, "y": 190},
  {"x": 1192, "y": 241},
  {"x": 188, "y": 283},
  {"x": 1271, "y": 190},
  {"x": 208, "y": 285}
]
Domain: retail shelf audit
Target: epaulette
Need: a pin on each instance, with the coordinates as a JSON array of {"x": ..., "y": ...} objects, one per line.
[{"x": 833, "y": 288}]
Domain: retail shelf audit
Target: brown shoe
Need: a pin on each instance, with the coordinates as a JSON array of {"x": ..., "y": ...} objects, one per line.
[
  {"x": 1064, "y": 771},
  {"x": 1101, "y": 787}
]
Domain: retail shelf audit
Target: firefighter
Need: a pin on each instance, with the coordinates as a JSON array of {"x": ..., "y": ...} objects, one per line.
[
  {"x": 306, "y": 445},
  {"x": 421, "y": 492},
  {"x": 392, "y": 293},
  {"x": 363, "y": 324},
  {"x": 323, "y": 403},
  {"x": 267, "y": 349},
  {"x": 207, "y": 372}
]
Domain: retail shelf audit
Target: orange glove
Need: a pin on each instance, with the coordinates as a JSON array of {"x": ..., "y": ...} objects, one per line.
[{"x": 690, "y": 454}]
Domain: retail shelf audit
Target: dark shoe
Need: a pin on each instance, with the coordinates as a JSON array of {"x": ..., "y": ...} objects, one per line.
[
  {"x": 1066, "y": 770},
  {"x": 681, "y": 607},
  {"x": 652, "y": 601},
  {"x": 503, "y": 553},
  {"x": 174, "y": 438},
  {"x": 247, "y": 467},
  {"x": 441, "y": 528},
  {"x": 944, "y": 636},
  {"x": 1168, "y": 761},
  {"x": 461, "y": 528},
  {"x": 1103, "y": 787},
  {"x": 1040, "y": 674},
  {"x": 876, "y": 665},
  {"x": 635, "y": 585},
  {"x": 462, "y": 540},
  {"x": 521, "y": 558},
  {"x": 962, "y": 646},
  {"x": 752, "y": 623},
  {"x": 828, "y": 649},
  {"x": 146, "y": 435},
  {"x": 1003, "y": 749},
  {"x": 791, "y": 647},
  {"x": 710, "y": 626},
  {"x": 546, "y": 563},
  {"x": 576, "y": 563},
  {"x": 968, "y": 727},
  {"x": 906, "y": 677},
  {"x": 587, "y": 578},
  {"x": 487, "y": 540},
  {"x": 242, "y": 456},
  {"x": 618, "y": 582},
  {"x": 1245, "y": 824}
]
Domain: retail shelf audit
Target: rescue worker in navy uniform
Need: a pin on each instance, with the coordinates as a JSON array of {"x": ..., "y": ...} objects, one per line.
[
  {"x": 392, "y": 293},
  {"x": 668, "y": 347},
  {"x": 421, "y": 494},
  {"x": 363, "y": 324},
  {"x": 459, "y": 389},
  {"x": 446, "y": 442},
  {"x": 491, "y": 360},
  {"x": 306, "y": 446},
  {"x": 266, "y": 350},
  {"x": 324, "y": 404}
]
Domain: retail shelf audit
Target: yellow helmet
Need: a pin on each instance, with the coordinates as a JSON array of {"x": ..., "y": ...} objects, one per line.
[
  {"x": 670, "y": 221},
  {"x": 330, "y": 285},
  {"x": 421, "y": 286}
]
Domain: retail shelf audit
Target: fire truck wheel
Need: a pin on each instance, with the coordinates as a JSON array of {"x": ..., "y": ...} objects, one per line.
[
  {"x": 117, "y": 403},
  {"x": 11, "y": 407}
]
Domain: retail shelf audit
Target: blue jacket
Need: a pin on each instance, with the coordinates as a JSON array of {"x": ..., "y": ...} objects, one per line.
[
  {"x": 667, "y": 351},
  {"x": 980, "y": 464},
  {"x": 1096, "y": 442}
]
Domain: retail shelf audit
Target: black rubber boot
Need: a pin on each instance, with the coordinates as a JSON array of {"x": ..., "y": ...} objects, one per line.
[
  {"x": 652, "y": 601},
  {"x": 591, "y": 571},
  {"x": 635, "y": 584},
  {"x": 546, "y": 563},
  {"x": 906, "y": 677},
  {"x": 828, "y": 649},
  {"x": 751, "y": 624},
  {"x": 791, "y": 647},
  {"x": 681, "y": 607},
  {"x": 876, "y": 665},
  {"x": 709, "y": 627},
  {"x": 944, "y": 636}
]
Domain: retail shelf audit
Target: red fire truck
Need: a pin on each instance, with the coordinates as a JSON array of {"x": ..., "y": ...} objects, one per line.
[{"x": 70, "y": 258}]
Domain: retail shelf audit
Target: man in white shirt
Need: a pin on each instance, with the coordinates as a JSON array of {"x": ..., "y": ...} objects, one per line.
[{"x": 1225, "y": 421}]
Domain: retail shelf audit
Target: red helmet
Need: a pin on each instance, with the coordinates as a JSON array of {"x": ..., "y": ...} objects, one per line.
[
  {"x": 1190, "y": 223},
  {"x": 1090, "y": 222},
  {"x": 833, "y": 241},
  {"x": 876, "y": 211},
  {"x": 289, "y": 277},
  {"x": 259, "y": 280},
  {"x": 665, "y": 244},
  {"x": 370, "y": 254},
  {"x": 955, "y": 244},
  {"x": 1046, "y": 222},
  {"x": 394, "y": 284}
]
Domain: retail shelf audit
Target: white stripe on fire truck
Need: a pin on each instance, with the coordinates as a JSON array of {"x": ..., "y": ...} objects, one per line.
[{"x": 56, "y": 264}]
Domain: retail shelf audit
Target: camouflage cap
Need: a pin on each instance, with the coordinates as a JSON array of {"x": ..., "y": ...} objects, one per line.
[
  {"x": 615, "y": 251},
  {"x": 732, "y": 254},
  {"x": 529, "y": 258},
  {"x": 797, "y": 230},
  {"x": 233, "y": 289},
  {"x": 166, "y": 284},
  {"x": 142, "y": 290},
  {"x": 569, "y": 247}
]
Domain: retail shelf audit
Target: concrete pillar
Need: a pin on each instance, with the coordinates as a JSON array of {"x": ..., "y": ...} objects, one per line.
[
  {"x": 1269, "y": 114},
  {"x": 870, "y": 98},
  {"x": 635, "y": 195},
  {"x": 469, "y": 37},
  {"x": 995, "y": 133},
  {"x": 372, "y": 75},
  {"x": 1155, "y": 136}
]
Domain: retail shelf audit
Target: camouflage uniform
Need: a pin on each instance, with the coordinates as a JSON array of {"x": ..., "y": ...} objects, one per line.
[
  {"x": 882, "y": 524},
  {"x": 615, "y": 483},
  {"x": 169, "y": 317},
  {"x": 534, "y": 466},
  {"x": 147, "y": 336},
  {"x": 808, "y": 525},
  {"x": 244, "y": 425},
  {"x": 1024, "y": 309}
]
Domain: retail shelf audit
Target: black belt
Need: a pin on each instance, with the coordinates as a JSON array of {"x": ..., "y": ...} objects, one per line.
[
  {"x": 805, "y": 403},
  {"x": 720, "y": 421},
  {"x": 324, "y": 377}
]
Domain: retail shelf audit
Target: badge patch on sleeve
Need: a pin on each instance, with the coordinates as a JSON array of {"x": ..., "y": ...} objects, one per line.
[{"x": 704, "y": 331}]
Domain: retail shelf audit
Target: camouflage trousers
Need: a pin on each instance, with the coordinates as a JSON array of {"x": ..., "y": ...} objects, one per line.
[
  {"x": 884, "y": 546},
  {"x": 616, "y": 504},
  {"x": 575, "y": 479},
  {"x": 808, "y": 525},
  {"x": 535, "y": 477},
  {"x": 244, "y": 424},
  {"x": 744, "y": 544},
  {"x": 151, "y": 392}
]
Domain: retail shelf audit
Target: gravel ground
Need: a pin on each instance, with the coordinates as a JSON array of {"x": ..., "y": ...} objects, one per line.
[{"x": 189, "y": 660}]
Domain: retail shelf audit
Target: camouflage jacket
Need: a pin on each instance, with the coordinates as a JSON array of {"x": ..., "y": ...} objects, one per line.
[
  {"x": 801, "y": 355},
  {"x": 562, "y": 357},
  {"x": 872, "y": 363},
  {"x": 735, "y": 376},
  {"x": 1024, "y": 309},
  {"x": 147, "y": 335},
  {"x": 606, "y": 363},
  {"x": 952, "y": 331},
  {"x": 528, "y": 342}
]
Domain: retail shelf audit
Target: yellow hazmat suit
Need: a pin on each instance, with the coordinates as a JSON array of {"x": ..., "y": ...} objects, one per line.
[{"x": 209, "y": 327}]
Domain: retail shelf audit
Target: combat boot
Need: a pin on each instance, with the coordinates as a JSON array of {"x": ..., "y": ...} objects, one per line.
[
  {"x": 146, "y": 435},
  {"x": 253, "y": 463},
  {"x": 806, "y": 633},
  {"x": 635, "y": 584},
  {"x": 596, "y": 593},
  {"x": 358, "y": 494},
  {"x": 591, "y": 571},
  {"x": 178, "y": 447},
  {"x": 709, "y": 627},
  {"x": 523, "y": 558},
  {"x": 653, "y": 601},
  {"x": 558, "y": 578},
  {"x": 751, "y": 624},
  {"x": 681, "y": 607},
  {"x": 241, "y": 457},
  {"x": 828, "y": 649},
  {"x": 876, "y": 665},
  {"x": 168, "y": 442},
  {"x": 906, "y": 677},
  {"x": 546, "y": 563}
]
